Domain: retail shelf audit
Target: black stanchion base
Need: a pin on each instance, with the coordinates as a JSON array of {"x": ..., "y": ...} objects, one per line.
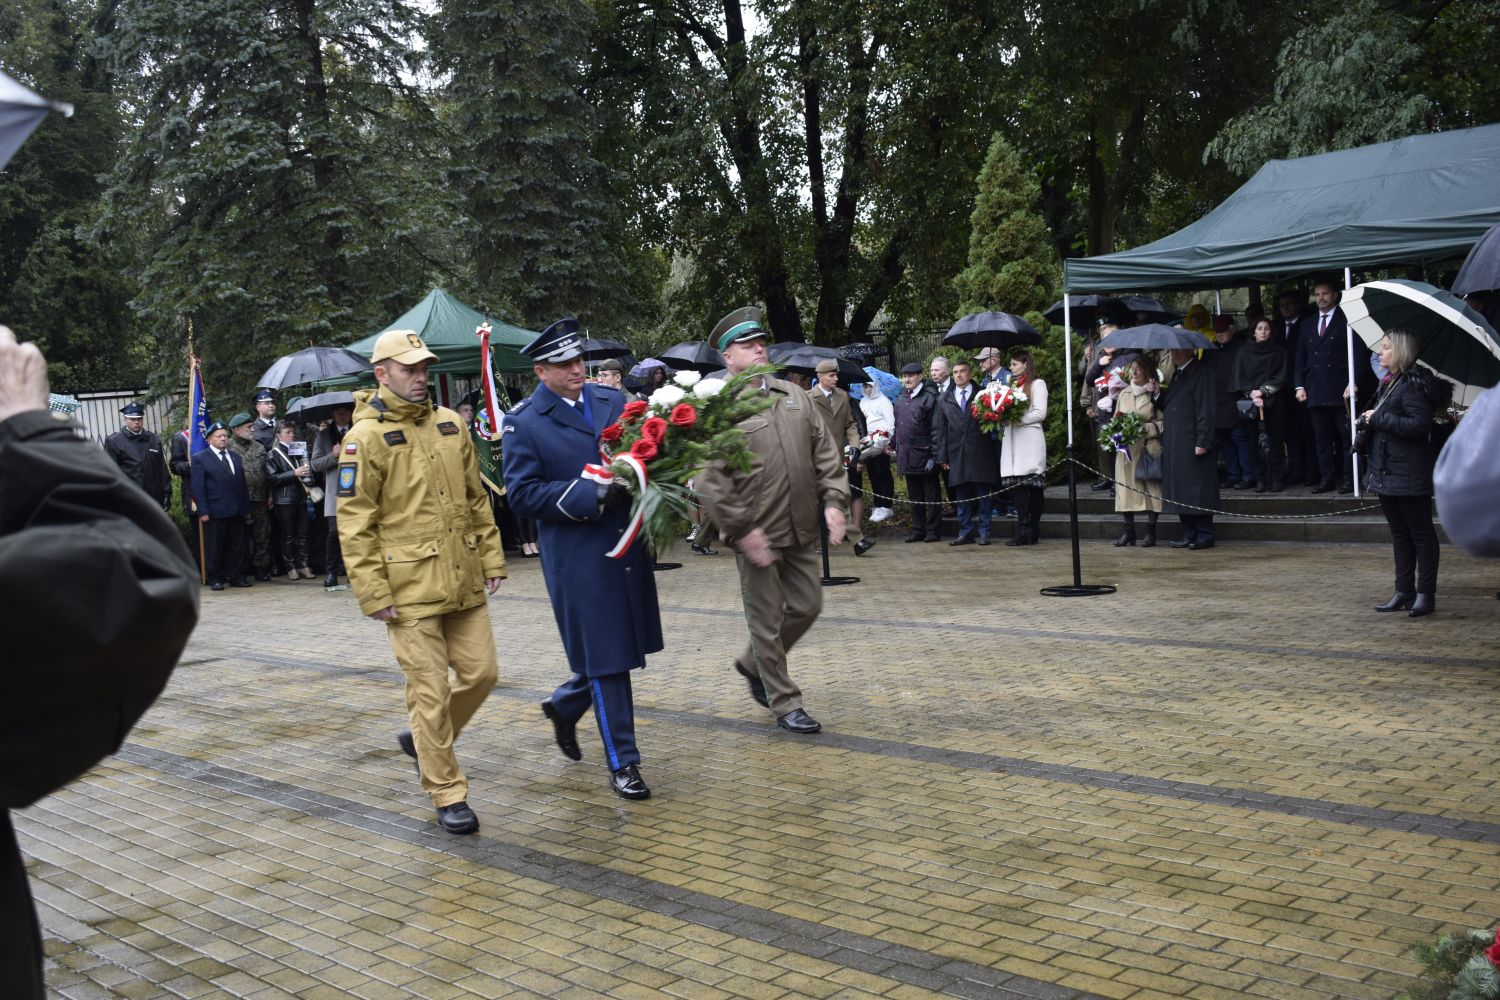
[
  {"x": 839, "y": 581},
  {"x": 658, "y": 567},
  {"x": 1079, "y": 590}
]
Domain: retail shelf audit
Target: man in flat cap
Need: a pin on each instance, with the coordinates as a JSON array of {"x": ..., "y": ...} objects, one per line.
[
  {"x": 605, "y": 608},
  {"x": 421, "y": 547},
  {"x": 138, "y": 453},
  {"x": 771, "y": 515},
  {"x": 838, "y": 413},
  {"x": 916, "y": 405}
]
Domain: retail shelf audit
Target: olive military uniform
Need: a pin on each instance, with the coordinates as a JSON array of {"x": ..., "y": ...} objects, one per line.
[{"x": 417, "y": 534}]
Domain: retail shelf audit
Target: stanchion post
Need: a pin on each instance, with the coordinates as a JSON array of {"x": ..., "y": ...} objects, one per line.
[{"x": 829, "y": 580}]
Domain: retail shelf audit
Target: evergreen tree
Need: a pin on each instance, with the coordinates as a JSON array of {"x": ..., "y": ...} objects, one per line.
[
  {"x": 539, "y": 229},
  {"x": 1012, "y": 263},
  {"x": 279, "y": 178}
]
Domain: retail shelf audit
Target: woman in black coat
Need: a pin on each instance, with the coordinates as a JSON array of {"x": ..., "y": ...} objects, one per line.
[
  {"x": 1261, "y": 376},
  {"x": 1399, "y": 431}
]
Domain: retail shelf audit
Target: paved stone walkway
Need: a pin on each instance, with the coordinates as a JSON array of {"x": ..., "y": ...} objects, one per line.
[{"x": 1229, "y": 779}]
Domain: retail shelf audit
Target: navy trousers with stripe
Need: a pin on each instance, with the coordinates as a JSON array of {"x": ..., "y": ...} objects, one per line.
[{"x": 613, "y": 710}]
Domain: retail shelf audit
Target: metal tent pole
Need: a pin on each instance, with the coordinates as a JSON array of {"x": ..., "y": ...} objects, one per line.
[{"x": 1349, "y": 347}]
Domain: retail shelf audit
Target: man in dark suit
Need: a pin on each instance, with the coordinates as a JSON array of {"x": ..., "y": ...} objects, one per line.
[
  {"x": 1301, "y": 445},
  {"x": 914, "y": 459},
  {"x": 224, "y": 508},
  {"x": 1321, "y": 377},
  {"x": 1190, "y": 478},
  {"x": 963, "y": 450},
  {"x": 605, "y": 608}
]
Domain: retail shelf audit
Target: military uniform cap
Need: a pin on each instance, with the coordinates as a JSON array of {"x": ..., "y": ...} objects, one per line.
[
  {"x": 213, "y": 427},
  {"x": 744, "y": 324},
  {"x": 404, "y": 347},
  {"x": 133, "y": 410},
  {"x": 559, "y": 343},
  {"x": 827, "y": 365},
  {"x": 264, "y": 396},
  {"x": 239, "y": 420}
]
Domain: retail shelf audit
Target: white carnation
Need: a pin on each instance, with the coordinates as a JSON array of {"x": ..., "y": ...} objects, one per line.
[
  {"x": 687, "y": 378},
  {"x": 709, "y": 387},
  {"x": 666, "y": 397}
]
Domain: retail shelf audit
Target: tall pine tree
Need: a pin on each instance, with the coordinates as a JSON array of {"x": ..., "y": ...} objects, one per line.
[
  {"x": 538, "y": 226},
  {"x": 1012, "y": 262}
]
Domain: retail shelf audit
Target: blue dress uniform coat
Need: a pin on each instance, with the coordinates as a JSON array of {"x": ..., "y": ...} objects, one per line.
[{"x": 606, "y": 608}]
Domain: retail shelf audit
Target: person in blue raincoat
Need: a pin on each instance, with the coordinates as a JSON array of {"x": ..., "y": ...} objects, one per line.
[{"x": 606, "y": 608}]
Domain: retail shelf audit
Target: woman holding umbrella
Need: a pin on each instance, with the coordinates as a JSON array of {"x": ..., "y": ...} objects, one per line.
[
  {"x": 1260, "y": 375},
  {"x": 1399, "y": 432}
]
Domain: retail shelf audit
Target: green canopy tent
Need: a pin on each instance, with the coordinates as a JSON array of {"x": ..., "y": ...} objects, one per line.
[
  {"x": 448, "y": 325},
  {"x": 1422, "y": 199}
]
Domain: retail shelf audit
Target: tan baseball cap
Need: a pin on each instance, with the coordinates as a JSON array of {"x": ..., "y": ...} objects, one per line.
[{"x": 402, "y": 346}]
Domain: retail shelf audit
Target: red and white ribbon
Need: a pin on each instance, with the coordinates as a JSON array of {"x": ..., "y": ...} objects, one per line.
[
  {"x": 637, "y": 516},
  {"x": 487, "y": 374},
  {"x": 598, "y": 474}
]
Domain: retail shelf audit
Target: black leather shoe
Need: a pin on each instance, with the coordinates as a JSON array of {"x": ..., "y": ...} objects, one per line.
[
  {"x": 983, "y": 540},
  {"x": 863, "y": 545},
  {"x": 330, "y": 581},
  {"x": 627, "y": 783},
  {"x": 798, "y": 721},
  {"x": 242, "y": 582},
  {"x": 564, "y": 731},
  {"x": 704, "y": 550},
  {"x": 932, "y": 538},
  {"x": 263, "y": 578},
  {"x": 1323, "y": 487},
  {"x": 1346, "y": 487},
  {"x": 757, "y": 689},
  {"x": 1099, "y": 485},
  {"x": 1398, "y": 602},
  {"x": 1126, "y": 539},
  {"x": 1195, "y": 546},
  {"x": 1181, "y": 543},
  {"x": 408, "y": 747},
  {"x": 963, "y": 540},
  {"x": 216, "y": 585},
  {"x": 1148, "y": 540},
  {"x": 1425, "y": 604},
  {"x": 915, "y": 536},
  {"x": 458, "y": 818},
  {"x": 1018, "y": 540}
]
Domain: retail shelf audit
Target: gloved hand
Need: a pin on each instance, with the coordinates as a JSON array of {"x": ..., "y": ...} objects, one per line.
[{"x": 613, "y": 496}]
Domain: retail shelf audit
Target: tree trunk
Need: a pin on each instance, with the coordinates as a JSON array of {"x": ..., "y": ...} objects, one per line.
[{"x": 1101, "y": 207}]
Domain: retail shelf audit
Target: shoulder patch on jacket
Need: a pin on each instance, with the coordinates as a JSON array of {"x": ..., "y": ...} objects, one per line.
[
  {"x": 352, "y": 448},
  {"x": 395, "y": 437},
  {"x": 448, "y": 427},
  {"x": 347, "y": 473}
]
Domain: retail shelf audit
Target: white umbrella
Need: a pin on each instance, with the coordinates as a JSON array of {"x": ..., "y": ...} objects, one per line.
[
  {"x": 21, "y": 111},
  {"x": 1456, "y": 342}
]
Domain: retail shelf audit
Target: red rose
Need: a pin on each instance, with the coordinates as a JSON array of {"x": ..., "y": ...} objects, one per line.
[
  {"x": 974, "y": 409},
  {"x": 1494, "y": 951},
  {"x": 644, "y": 449},
  {"x": 683, "y": 415},
  {"x": 653, "y": 430},
  {"x": 634, "y": 409},
  {"x": 612, "y": 432}
]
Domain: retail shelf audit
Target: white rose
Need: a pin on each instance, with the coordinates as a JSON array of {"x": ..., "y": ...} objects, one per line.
[
  {"x": 687, "y": 379},
  {"x": 666, "y": 397},
  {"x": 708, "y": 388}
]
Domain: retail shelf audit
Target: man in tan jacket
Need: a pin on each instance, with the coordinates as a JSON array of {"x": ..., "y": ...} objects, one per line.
[
  {"x": 771, "y": 515},
  {"x": 421, "y": 546},
  {"x": 837, "y": 410}
]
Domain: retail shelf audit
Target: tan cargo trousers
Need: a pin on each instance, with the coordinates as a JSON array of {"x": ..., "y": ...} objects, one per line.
[{"x": 439, "y": 708}]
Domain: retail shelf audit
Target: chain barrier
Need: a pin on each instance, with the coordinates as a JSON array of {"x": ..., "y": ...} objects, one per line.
[
  {"x": 1210, "y": 510},
  {"x": 999, "y": 492}
]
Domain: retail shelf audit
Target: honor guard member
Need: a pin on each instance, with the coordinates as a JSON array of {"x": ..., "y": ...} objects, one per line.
[
  {"x": 257, "y": 483},
  {"x": 606, "y": 608},
  {"x": 421, "y": 548},
  {"x": 139, "y": 455},
  {"x": 771, "y": 516},
  {"x": 264, "y": 430}
]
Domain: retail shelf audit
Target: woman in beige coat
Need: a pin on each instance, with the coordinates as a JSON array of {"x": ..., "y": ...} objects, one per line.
[
  {"x": 1023, "y": 451},
  {"x": 1133, "y": 494}
]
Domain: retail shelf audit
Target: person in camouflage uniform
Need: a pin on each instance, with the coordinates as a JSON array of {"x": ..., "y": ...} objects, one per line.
[{"x": 242, "y": 440}]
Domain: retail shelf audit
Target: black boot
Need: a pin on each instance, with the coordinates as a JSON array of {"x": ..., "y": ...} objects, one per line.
[
  {"x": 1425, "y": 604},
  {"x": 1023, "y": 516},
  {"x": 1128, "y": 538},
  {"x": 1038, "y": 501},
  {"x": 1399, "y": 602},
  {"x": 1148, "y": 541}
]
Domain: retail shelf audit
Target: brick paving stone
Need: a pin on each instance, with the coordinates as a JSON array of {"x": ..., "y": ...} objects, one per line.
[{"x": 1191, "y": 788}]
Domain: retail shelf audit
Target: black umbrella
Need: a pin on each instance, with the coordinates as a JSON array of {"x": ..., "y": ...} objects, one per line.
[
  {"x": 21, "y": 111},
  {"x": 696, "y": 355},
  {"x": 1481, "y": 270},
  {"x": 1156, "y": 337},
  {"x": 311, "y": 409},
  {"x": 312, "y": 364},
  {"x": 1456, "y": 342},
  {"x": 1143, "y": 308},
  {"x": 800, "y": 357},
  {"x": 1000, "y": 330},
  {"x": 1085, "y": 310},
  {"x": 603, "y": 350}
]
